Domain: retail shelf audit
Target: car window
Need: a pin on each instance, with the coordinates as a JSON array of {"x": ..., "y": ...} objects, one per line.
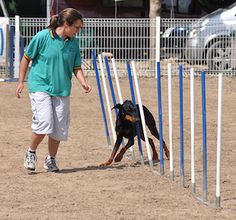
[
  {"x": 231, "y": 6},
  {"x": 228, "y": 16}
]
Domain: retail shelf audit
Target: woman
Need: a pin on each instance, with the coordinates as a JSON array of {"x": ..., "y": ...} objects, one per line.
[{"x": 55, "y": 54}]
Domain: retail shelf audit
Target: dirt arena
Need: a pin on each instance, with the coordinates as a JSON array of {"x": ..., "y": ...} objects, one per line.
[{"x": 124, "y": 190}]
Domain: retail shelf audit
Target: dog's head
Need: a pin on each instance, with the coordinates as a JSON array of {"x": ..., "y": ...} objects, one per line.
[{"x": 127, "y": 111}]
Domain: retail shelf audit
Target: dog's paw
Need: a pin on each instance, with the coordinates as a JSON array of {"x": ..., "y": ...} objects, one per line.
[
  {"x": 102, "y": 165},
  {"x": 105, "y": 164}
]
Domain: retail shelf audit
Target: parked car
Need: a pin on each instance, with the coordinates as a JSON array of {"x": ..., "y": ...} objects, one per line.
[{"x": 209, "y": 40}]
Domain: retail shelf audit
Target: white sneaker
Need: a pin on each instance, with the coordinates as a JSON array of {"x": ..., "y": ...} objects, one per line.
[
  {"x": 50, "y": 164},
  {"x": 30, "y": 160}
]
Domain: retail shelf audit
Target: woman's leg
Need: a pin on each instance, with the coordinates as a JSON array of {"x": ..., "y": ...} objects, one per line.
[
  {"x": 50, "y": 161},
  {"x": 61, "y": 113},
  {"x": 36, "y": 139},
  {"x": 52, "y": 147},
  {"x": 42, "y": 124},
  {"x": 30, "y": 155}
]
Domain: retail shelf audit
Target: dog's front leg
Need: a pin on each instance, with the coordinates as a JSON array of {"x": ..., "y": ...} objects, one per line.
[
  {"x": 124, "y": 149},
  {"x": 114, "y": 151}
]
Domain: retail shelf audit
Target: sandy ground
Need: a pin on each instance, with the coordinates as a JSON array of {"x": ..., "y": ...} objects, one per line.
[{"x": 124, "y": 190}]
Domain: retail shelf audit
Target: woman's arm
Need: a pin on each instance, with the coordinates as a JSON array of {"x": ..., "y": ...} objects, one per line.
[
  {"x": 80, "y": 76},
  {"x": 23, "y": 69}
]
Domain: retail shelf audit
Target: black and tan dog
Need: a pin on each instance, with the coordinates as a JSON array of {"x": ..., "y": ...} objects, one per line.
[{"x": 126, "y": 121}]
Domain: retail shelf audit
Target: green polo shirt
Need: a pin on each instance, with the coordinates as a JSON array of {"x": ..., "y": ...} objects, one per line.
[{"x": 53, "y": 61}]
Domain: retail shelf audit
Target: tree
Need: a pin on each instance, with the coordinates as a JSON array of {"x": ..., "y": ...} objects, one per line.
[
  {"x": 26, "y": 8},
  {"x": 154, "y": 11},
  {"x": 155, "y": 8}
]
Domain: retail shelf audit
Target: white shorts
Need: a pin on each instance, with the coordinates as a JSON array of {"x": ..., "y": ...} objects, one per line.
[{"x": 51, "y": 115}]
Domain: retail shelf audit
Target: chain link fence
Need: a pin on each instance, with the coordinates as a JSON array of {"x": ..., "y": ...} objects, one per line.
[{"x": 194, "y": 43}]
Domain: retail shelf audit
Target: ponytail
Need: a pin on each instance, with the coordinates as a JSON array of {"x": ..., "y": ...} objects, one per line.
[{"x": 54, "y": 22}]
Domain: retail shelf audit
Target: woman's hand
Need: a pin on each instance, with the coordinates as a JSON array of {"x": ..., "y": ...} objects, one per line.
[
  {"x": 87, "y": 87},
  {"x": 80, "y": 76},
  {"x": 23, "y": 69},
  {"x": 19, "y": 89}
]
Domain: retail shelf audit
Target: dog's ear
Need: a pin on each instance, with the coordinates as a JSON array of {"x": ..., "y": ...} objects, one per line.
[{"x": 118, "y": 106}]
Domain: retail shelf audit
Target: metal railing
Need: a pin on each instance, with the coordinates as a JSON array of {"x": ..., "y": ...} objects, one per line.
[{"x": 182, "y": 41}]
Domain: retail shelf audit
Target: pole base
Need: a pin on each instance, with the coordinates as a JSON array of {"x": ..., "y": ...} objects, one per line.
[
  {"x": 141, "y": 159},
  {"x": 182, "y": 181},
  {"x": 172, "y": 176},
  {"x": 151, "y": 164},
  {"x": 218, "y": 202},
  {"x": 204, "y": 196},
  {"x": 193, "y": 188},
  {"x": 162, "y": 172},
  {"x": 133, "y": 155}
]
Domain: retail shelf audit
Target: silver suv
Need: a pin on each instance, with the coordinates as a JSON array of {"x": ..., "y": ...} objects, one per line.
[{"x": 210, "y": 40}]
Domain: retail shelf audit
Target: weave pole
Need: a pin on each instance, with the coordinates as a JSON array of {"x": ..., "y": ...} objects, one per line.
[
  {"x": 204, "y": 197},
  {"x": 219, "y": 141},
  {"x": 110, "y": 83},
  {"x": 117, "y": 80},
  {"x": 101, "y": 98},
  {"x": 160, "y": 117},
  {"x": 107, "y": 98},
  {"x": 121, "y": 100},
  {"x": 134, "y": 102},
  {"x": 204, "y": 135},
  {"x": 142, "y": 115},
  {"x": 17, "y": 47},
  {"x": 170, "y": 122},
  {"x": 193, "y": 182},
  {"x": 181, "y": 126}
]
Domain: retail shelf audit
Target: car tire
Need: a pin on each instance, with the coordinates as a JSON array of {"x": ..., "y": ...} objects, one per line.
[{"x": 218, "y": 55}]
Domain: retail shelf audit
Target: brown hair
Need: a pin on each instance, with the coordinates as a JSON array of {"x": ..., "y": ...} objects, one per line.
[{"x": 69, "y": 15}]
